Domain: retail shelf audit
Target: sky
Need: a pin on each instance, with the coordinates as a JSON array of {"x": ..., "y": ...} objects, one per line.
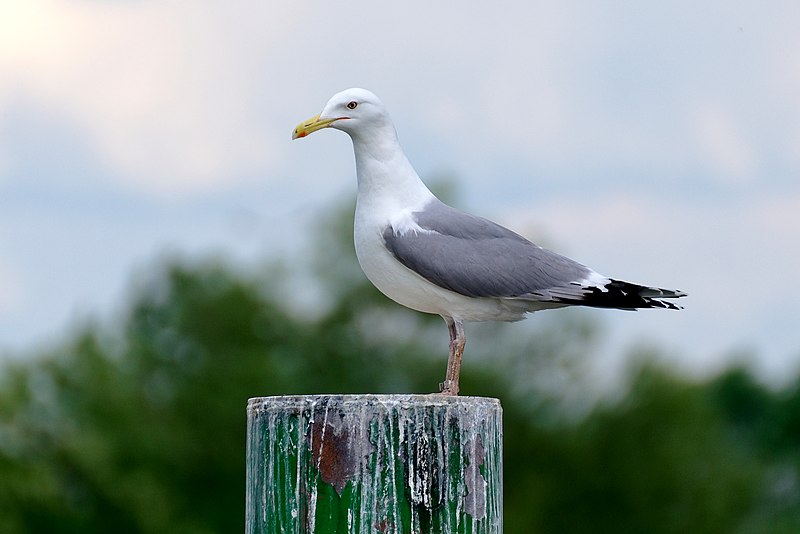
[{"x": 655, "y": 142}]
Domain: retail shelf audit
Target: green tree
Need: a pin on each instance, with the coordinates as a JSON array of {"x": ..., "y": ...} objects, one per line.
[{"x": 139, "y": 426}]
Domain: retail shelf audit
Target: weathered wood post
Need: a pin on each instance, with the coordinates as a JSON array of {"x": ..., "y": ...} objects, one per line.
[{"x": 374, "y": 463}]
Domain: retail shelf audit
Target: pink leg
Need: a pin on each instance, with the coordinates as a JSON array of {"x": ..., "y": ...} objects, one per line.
[{"x": 457, "y": 342}]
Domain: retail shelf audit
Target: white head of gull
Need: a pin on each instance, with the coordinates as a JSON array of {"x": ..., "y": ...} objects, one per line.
[{"x": 432, "y": 258}]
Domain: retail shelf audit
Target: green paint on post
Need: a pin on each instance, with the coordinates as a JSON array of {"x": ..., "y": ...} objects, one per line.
[{"x": 374, "y": 463}]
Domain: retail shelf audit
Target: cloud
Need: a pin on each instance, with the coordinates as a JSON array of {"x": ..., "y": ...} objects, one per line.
[
  {"x": 723, "y": 147},
  {"x": 178, "y": 99},
  {"x": 10, "y": 292},
  {"x": 164, "y": 93}
]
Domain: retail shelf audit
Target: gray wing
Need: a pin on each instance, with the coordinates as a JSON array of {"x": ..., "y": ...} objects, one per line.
[{"x": 478, "y": 258}]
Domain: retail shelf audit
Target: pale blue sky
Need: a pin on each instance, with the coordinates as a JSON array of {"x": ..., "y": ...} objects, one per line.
[{"x": 658, "y": 143}]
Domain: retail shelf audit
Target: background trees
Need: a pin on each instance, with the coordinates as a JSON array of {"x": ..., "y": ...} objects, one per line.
[{"x": 139, "y": 425}]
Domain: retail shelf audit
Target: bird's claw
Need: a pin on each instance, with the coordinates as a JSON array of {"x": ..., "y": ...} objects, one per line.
[{"x": 448, "y": 387}]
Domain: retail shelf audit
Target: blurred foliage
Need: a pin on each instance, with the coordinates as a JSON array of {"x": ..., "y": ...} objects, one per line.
[{"x": 140, "y": 427}]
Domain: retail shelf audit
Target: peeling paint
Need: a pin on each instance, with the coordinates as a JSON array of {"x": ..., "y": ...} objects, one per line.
[
  {"x": 334, "y": 450},
  {"x": 475, "y": 499},
  {"x": 361, "y": 464}
]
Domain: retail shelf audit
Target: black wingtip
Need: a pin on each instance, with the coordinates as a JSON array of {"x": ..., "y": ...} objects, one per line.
[{"x": 627, "y": 296}]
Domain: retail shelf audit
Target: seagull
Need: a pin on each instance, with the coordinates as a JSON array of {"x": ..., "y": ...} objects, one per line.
[{"x": 433, "y": 258}]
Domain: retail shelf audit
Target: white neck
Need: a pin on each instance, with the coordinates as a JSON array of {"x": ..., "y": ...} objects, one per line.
[{"x": 384, "y": 173}]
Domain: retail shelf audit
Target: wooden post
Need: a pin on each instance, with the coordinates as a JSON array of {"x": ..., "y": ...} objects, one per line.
[{"x": 374, "y": 463}]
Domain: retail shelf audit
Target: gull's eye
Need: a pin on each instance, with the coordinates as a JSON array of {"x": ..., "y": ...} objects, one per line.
[{"x": 352, "y": 105}]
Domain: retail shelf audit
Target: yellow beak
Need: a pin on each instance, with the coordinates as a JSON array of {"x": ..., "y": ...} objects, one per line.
[{"x": 311, "y": 125}]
